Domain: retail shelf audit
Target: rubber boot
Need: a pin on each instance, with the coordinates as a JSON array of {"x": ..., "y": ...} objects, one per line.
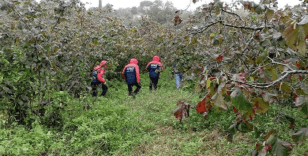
[
  {"x": 155, "y": 87},
  {"x": 150, "y": 87}
]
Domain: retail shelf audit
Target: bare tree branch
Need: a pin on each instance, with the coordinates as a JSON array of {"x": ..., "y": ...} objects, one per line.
[
  {"x": 243, "y": 27},
  {"x": 267, "y": 85},
  {"x": 280, "y": 63},
  {"x": 233, "y": 14},
  {"x": 203, "y": 28}
]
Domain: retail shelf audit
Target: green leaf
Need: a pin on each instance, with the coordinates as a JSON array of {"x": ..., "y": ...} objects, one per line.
[
  {"x": 245, "y": 127},
  {"x": 1, "y": 78},
  {"x": 279, "y": 147},
  {"x": 266, "y": 43},
  {"x": 304, "y": 108},
  {"x": 257, "y": 132},
  {"x": 239, "y": 101},
  {"x": 302, "y": 101},
  {"x": 232, "y": 128},
  {"x": 5, "y": 61},
  {"x": 258, "y": 10},
  {"x": 271, "y": 73},
  {"x": 215, "y": 42},
  {"x": 2, "y": 149},
  {"x": 7, "y": 90},
  {"x": 300, "y": 135}
]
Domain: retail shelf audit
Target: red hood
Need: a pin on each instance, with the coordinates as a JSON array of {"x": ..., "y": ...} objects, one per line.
[
  {"x": 133, "y": 61},
  {"x": 99, "y": 67},
  {"x": 102, "y": 63},
  {"x": 156, "y": 58},
  {"x": 156, "y": 61}
]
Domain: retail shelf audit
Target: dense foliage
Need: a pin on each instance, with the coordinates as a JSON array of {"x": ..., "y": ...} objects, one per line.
[
  {"x": 250, "y": 61},
  {"x": 245, "y": 61}
]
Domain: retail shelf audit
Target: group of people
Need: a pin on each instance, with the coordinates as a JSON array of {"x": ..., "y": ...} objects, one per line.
[{"x": 131, "y": 75}]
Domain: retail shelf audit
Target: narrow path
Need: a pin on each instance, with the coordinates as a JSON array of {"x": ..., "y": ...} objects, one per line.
[{"x": 167, "y": 136}]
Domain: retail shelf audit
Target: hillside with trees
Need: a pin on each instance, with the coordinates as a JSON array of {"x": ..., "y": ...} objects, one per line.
[{"x": 245, "y": 77}]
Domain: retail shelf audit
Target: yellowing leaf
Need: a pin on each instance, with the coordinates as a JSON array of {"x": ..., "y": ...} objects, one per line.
[
  {"x": 300, "y": 92},
  {"x": 259, "y": 60},
  {"x": 285, "y": 88},
  {"x": 269, "y": 14},
  {"x": 208, "y": 83},
  {"x": 218, "y": 98},
  {"x": 198, "y": 88},
  {"x": 295, "y": 37},
  {"x": 56, "y": 49},
  {"x": 261, "y": 105},
  {"x": 17, "y": 40}
]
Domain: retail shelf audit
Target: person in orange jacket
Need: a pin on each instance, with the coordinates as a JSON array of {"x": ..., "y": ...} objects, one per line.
[
  {"x": 131, "y": 75},
  {"x": 154, "y": 68},
  {"x": 98, "y": 78}
]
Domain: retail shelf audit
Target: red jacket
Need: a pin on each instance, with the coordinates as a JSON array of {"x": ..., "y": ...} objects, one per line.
[
  {"x": 101, "y": 71},
  {"x": 156, "y": 61},
  {"x": 133, "y": 63}
]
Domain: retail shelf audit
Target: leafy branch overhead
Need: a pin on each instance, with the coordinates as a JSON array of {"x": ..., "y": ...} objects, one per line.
[{"x": 251, "y": 59}]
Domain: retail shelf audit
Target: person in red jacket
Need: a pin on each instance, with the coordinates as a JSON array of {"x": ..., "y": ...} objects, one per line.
[
  {"x": 98, "y": 78},
  {"x": 131, "y": 75},
  {"x": 154, "y": 68}
]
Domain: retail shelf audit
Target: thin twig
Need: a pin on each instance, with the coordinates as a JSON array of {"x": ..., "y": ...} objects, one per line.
[{"x": 233, "y": 14}]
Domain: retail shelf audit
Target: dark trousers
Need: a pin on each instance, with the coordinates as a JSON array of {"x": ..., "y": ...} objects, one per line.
[
  {"x": 130, "y": 88},
  {"x": 94, "y": 85},
  {"x": 153, "y": 82}
]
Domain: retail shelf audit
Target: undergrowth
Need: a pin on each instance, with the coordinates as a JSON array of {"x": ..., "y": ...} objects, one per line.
[{"x": 119, "y": 125}]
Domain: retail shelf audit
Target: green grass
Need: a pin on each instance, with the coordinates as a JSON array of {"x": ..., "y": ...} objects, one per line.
[{"x": 119, "y": 125}]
